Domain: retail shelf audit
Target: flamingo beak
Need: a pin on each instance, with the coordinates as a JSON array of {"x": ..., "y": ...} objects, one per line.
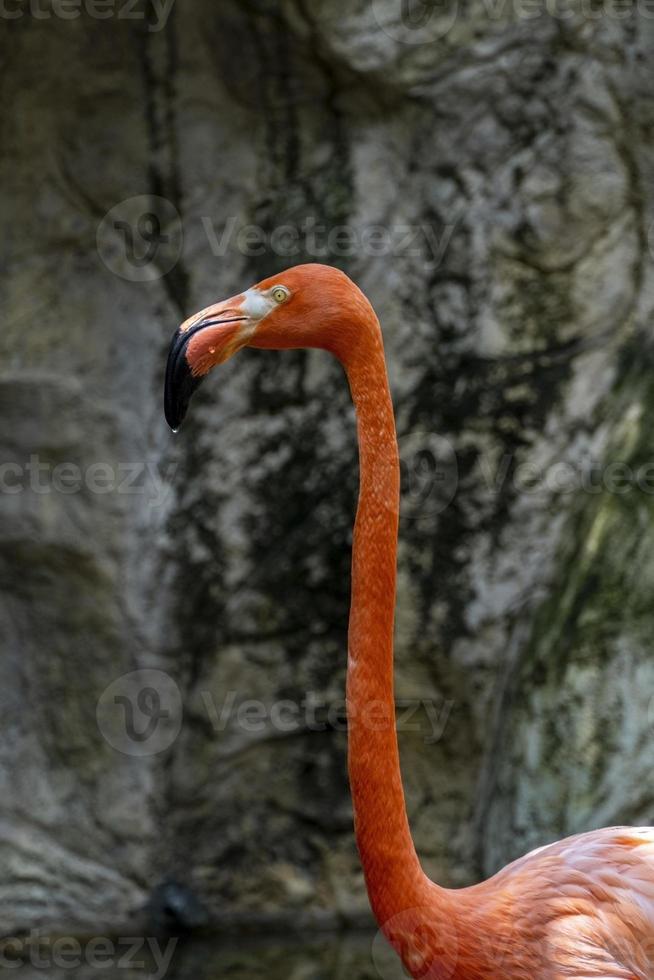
[{"x": 206, "y": 339}]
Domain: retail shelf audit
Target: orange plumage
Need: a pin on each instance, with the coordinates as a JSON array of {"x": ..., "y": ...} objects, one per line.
[{"x": 580, "y": 908}]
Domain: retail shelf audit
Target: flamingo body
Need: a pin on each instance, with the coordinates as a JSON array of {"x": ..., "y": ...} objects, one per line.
[{"x": 581, "y": 908}]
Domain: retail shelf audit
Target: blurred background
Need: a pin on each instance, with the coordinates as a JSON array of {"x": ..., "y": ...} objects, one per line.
[{"x": 174, "y": 609}]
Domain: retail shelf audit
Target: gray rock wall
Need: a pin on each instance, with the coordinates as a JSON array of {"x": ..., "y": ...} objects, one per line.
[{"x": 487, "y": 178}]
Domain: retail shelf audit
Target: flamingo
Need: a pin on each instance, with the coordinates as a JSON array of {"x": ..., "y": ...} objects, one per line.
[{"x": 582, "y": 907}]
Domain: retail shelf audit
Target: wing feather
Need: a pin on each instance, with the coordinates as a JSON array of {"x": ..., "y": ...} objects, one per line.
[{"x": 584, "y": 906}]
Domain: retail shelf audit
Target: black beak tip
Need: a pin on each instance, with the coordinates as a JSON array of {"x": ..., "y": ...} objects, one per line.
[
  {"x": 174, "y": 413},
  {"x": 180, "y": 383}
]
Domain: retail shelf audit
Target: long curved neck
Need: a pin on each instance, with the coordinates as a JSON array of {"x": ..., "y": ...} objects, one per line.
[{"x": 394, "y": 878}]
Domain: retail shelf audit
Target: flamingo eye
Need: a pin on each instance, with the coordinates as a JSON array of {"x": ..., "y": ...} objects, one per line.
[{"x": 280, "y": 293}]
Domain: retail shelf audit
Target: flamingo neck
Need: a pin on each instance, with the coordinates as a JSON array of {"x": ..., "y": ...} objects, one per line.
[{"x": 394, "y": 879}]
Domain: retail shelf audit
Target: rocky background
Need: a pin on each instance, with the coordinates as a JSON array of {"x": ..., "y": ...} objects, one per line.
[{"x": 484, "y": 170}]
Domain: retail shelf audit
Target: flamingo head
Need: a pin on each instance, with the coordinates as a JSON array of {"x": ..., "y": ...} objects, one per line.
[{"x": 306, "y": 306}]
